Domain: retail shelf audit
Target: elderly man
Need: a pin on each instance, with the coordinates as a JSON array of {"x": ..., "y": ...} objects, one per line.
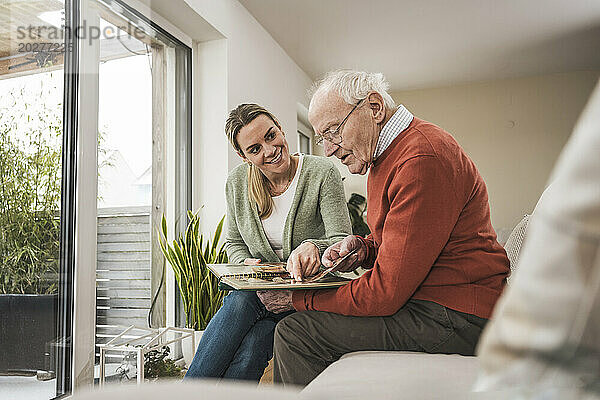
[{"x": 435, "y": 268}]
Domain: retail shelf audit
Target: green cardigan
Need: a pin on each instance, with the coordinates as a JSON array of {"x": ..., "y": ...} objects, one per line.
[{"x": 318, "y": 214}]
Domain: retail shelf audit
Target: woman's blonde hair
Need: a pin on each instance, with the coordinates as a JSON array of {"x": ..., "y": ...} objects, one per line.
[{"x": 258, "y": 184}]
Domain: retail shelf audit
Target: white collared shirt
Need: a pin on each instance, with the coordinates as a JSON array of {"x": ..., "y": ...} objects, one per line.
[{"x": 395, "y": 126}]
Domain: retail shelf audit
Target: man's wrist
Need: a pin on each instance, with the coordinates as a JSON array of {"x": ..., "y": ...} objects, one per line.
[{"x": 368, "y": 250}]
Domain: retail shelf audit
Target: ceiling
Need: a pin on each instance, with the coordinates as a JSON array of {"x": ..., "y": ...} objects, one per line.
[{"x": 430, "y": 43}]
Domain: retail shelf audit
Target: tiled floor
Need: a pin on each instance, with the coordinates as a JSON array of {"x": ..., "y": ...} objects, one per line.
[{"x": 26, "y": 388}]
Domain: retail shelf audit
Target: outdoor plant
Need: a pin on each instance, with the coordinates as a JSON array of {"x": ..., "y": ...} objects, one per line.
[
  {"x": 30, "y": 188},
  {"x": 188, "y": 255},
  {"x": 30, "y": 176}
]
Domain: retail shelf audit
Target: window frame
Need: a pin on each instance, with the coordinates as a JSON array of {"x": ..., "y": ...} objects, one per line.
[
  {"x": 65, "y": 314},
  {"x": 310, "y": 144},
  {"x": 82, "y": 225}
]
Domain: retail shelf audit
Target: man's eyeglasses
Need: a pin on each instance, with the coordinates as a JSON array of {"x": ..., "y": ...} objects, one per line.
[{"x": 335, "y": 136}]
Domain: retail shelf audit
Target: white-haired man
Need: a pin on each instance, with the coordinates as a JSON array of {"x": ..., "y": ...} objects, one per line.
[{"x": 435, "y": 268}]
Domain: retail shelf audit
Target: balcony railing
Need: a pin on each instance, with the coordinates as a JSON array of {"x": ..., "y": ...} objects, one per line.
[{"x": 123, "y": 293}]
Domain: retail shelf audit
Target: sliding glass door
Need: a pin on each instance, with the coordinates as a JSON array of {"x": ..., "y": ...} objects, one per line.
[
  {"x": 36, "y": 177},
  {"x": 143, "y": 131},
  {"x": 95, "y": 125}
]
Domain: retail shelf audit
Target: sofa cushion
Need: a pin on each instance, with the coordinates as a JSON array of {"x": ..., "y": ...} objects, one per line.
[
  {"x": 386, "y": 374},
  {"x": 515, "y": 242}
]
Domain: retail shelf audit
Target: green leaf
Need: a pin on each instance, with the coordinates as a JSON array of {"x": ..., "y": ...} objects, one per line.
[{"x": 188, "y": 256}]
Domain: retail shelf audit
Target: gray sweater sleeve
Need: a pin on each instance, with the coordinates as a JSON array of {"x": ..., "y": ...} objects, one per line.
[
  {"x": 235, "y": 246},
  {"x": 334, "y": 211}
]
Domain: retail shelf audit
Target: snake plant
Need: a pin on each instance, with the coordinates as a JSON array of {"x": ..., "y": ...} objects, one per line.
[{"x": 188, "y": 255}]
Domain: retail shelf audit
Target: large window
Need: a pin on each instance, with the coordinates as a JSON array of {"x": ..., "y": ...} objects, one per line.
[
  {"x": 95, "y": 124},
  {"x": 35, "y": 291}
]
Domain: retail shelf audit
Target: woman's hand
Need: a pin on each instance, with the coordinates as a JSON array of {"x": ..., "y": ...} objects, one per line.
[
  {"x": 303, "y": 261},
  {"x": 252, "y": 261},
  {"x": 340, "y": 249}
]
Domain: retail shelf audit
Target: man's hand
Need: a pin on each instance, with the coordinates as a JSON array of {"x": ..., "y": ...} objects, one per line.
[
  {"x": 303, "y": 261},
  {"x": 340, "y": 249},
  {"x": 276, "y": 301}
]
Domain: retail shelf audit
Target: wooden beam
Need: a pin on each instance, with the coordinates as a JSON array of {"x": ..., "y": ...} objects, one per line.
[
  {"x": 158, "y": 180},
  {"x": 26, "y": 64}
]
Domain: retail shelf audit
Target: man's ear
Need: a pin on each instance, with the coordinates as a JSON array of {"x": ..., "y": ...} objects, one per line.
[{"x": 376, "y": 106}]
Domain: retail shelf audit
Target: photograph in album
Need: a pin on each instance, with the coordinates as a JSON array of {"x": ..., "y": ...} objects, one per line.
[{"x": 271, "y": 276}]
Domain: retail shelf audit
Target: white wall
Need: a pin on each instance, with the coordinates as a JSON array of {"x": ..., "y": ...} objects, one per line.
[
  {"x": 209, "y": 145},
  {"x": 513, "y": 130},
  {"x": 246, "y": 66}
]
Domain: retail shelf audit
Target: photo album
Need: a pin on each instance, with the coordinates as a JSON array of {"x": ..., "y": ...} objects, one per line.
[{"x": 270, "y": 276}]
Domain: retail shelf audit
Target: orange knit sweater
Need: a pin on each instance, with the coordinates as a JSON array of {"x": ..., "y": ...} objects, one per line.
[{"x": 432, "y": 239}]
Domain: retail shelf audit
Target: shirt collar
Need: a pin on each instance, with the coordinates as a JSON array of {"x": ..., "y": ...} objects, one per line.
[{"x": 395, "y": 126}]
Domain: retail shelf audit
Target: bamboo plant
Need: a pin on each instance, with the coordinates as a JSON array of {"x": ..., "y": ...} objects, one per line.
[
  {"x": 188, "y": 255},
  {"x": 30, "y": 174}
]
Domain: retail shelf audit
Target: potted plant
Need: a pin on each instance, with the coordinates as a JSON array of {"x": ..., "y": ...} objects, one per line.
[
  {"x": 157, "y": 365},
  {"x": 30, "y": 193},
  {"x": 30, "y": 176},
  {"x": 188, "y": 256}
]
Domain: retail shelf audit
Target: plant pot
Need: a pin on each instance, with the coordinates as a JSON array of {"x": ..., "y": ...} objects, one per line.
[
  {"x": 27, "y": 329},
  {"x": 186, "y": 347}
]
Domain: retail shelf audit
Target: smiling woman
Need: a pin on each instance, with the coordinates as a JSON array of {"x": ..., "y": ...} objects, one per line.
[
  {"x": 280, "y": 206},
  {"x": 257, "y": 137}
]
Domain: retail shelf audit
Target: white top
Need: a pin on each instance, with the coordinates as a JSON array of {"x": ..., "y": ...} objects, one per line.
[{"x": 275, "y": 224}]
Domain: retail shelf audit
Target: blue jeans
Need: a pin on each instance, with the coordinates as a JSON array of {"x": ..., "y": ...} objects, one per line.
[{"x": 238, "y": 341}]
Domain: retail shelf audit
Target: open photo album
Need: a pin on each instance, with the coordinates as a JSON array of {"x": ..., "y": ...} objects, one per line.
[{"x": 269, "y": 277}]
